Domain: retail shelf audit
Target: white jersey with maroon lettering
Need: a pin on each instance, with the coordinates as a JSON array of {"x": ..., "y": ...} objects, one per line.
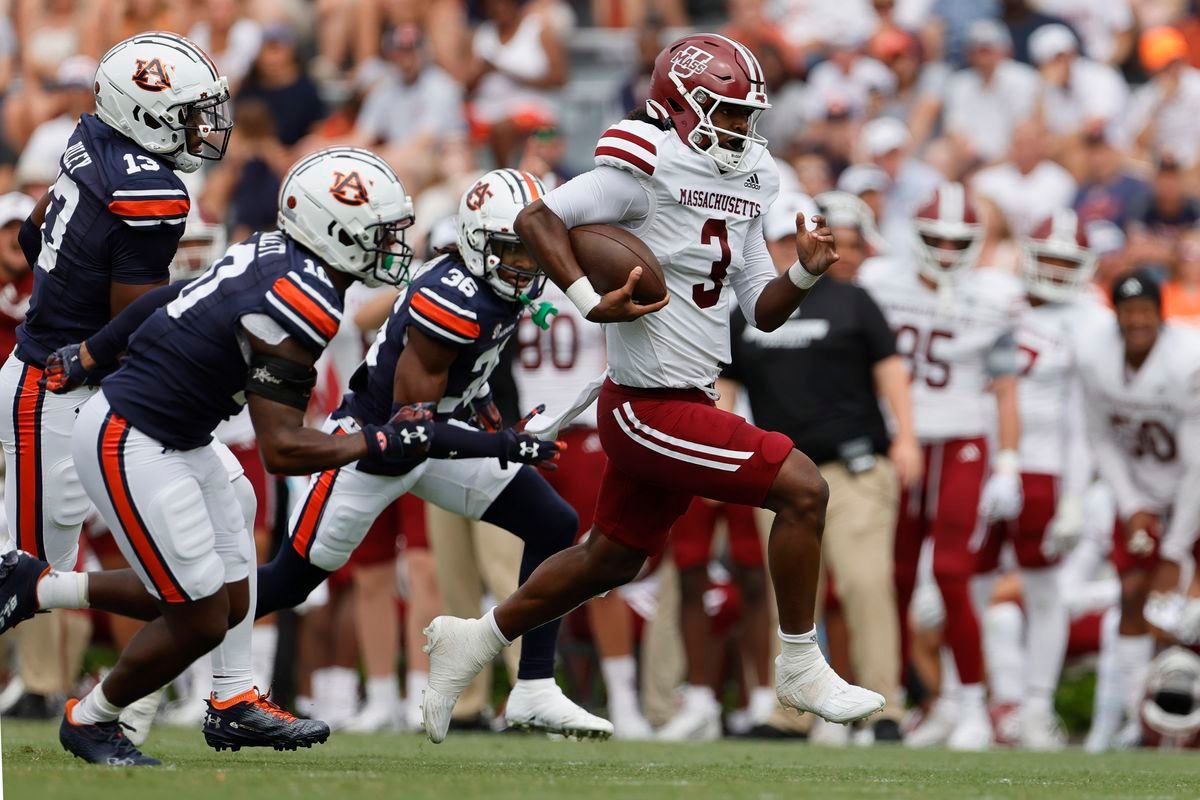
[
  {"x": 1048, "y": 340},
  {"x": 697, "y": 227},
  {"x": 950, "y": 339},
  {"x": 553, "y": 365},
  {"x": 1139, "y": 415}
]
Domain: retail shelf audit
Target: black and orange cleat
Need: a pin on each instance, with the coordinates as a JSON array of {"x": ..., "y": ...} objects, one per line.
[
  {"x": 19, "y": 576},
  {"x": 103, "y": 743},
  {"x": 252, "y": 720}
]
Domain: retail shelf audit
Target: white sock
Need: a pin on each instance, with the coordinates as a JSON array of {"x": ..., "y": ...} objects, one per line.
[
  {"x": 383, "y": 691},
  {"x": 263, "y": 645},
  {"x": 982, "y": 587},
  {"x": 698, "y": 696},
  {"x": 1048, "y": 626},
  {"x": 803, "y": 652},
  {"x": 972, "y": 695},
  {"x": 620, "y": 681},
  {"x": 951, "y": 689},
  {"x": 763, "y": 702},
  {"x": 62, "y": 590},
  {"x": 1107, "y": 705},
  {"x": 1133, "y": 661},
  {"x": 1003, "y": 652},
  {"x": 95, "y": 708},
  {"x": 414, "y": 684},
  {"x": 490, "y": 617},
  {"x": 233, "y": 662}
]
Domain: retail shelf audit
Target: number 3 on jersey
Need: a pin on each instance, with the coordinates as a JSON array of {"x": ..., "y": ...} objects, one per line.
[{"x": 707, "y": 297}]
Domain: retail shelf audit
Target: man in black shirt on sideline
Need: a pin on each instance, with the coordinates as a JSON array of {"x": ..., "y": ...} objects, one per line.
[{"x": 819, "y": 379}]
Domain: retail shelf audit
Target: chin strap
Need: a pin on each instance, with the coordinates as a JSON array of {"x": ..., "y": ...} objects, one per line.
[{"x": 540, "y": 313}]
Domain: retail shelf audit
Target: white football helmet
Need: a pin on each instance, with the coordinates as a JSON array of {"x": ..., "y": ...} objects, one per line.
[
  {"x": 949, "y": 235},
  {"x": 486, "y": 216},
  {"x": 1171, "y": 707},
  {"x": 164, "y": 92},
  {"x": 347, "y": 206},
  {"x": 202, "y": 243},
  {"x": 1056, "y": 261}
]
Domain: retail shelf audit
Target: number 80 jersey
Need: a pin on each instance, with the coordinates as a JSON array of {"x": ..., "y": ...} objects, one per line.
[
  {"x": 449, "y": 306},
  {"x": 697, "y": 227}
]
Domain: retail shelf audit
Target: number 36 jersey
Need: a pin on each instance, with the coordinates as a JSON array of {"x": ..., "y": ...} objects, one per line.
[
  {"x": 955, "y": 343},
  {"x": 115, "y": 215},
  {"x": 699, "y": 225},
  {"x": 1142, "y": 424},
  {"x": 449, "y": 306}
]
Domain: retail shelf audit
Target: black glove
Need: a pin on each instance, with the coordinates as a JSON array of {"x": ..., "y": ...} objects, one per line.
[
  {"x": 525, "y": 448},
  {"x": 64, "y": 370},
  {"x": 406, "y": 436}
]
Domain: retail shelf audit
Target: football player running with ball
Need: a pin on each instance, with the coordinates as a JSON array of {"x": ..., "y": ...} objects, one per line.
[
  {"x": 438, "y": 347},
  {"x": 691, "y": 179},
  {"x": 247, "y": 332}
]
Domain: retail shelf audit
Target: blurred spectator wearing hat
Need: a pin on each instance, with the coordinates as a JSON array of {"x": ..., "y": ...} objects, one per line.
[
  {"x": 1162, "y": 114},
  {"x": 229, "y": 35},
  {"x": 920, "y": 85},
  {"x": 886, "y": 144},
  {"x": 1075, "y": 90},
  {"x": 1108, "y": 190},
  {"x": 278, "y": 79},
  {"x": 413, "y": 104},
  {"x": 1105, "y": 26},
  {"x": 986, "y": 101},
  {"x": 1022, "y": 21},
  {"x": 820, "y": 379},
  {"x": 1027, "y": 187},
  {"x": 16, "y": 277},
  {"x": 71, "y": 96},
  {"x": 518, "y": 64},
  {"x": 1161, "y": 218}
]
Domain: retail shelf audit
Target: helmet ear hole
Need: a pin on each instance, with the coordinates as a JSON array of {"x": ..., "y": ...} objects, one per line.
[
  {"x": 678, "y": 109},
  {"x": 150, "y": 122},
  {"x": 345, "y": 238}
]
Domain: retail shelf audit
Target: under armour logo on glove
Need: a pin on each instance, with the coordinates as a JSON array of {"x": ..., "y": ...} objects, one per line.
[
  {"x": 529, "y": 450},
  {"x": 417, "y": 434},
  {"x": 397, "y": 441},
  {"x": 525, "y": 448}
]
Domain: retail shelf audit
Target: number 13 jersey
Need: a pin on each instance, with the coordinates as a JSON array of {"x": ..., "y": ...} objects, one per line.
[
  {"x": 705, "y": 229},
  {"x": 954, "y": 344}
]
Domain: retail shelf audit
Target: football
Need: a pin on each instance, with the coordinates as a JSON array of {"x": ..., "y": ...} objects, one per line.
[{"x": 608, "y": 254}]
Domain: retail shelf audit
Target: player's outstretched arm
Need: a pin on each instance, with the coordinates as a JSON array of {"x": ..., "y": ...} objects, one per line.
[
  {"x": 280, "y": 382},
  {"x": 545, "y": 235},
  {"x": 815, "y": 253}
]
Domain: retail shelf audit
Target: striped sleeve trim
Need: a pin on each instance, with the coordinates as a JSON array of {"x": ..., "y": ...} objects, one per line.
[
  {"x": 313, "y": 317},
  {"x": 443, "y": 319},
  {"x": 622, "y": 149},
  {"x": 154, "y": 208}
]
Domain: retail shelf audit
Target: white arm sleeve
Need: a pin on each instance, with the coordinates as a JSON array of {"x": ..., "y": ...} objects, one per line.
[
  {"x": 604, "y": 194},
  {"x": 758, "y": 269},
  {"x": 1112, "y": 464},
  {"x": 1185, "y": 514},
  {"x": 1078, "y": 466}
]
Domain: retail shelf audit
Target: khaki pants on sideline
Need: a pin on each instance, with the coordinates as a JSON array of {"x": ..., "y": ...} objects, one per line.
[
  {"x": 664, "y": 663},
  {"x": 471, "y": 557},
  {"x": 50, "y": 651}
]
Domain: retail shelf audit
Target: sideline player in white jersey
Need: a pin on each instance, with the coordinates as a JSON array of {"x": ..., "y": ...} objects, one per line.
[
  {"x": 1141, "y": 384},
  {"x": 1057, "y": 267},
  {"x": 954, "y": 321},
  {"x": 692, "y": 179},
  {"x": 552, "y": 364}
]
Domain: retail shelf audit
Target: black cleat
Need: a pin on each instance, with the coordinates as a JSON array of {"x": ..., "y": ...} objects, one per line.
[
  {"x": 19, "y": 575},
  {"x": 104, "y": 743},
  {"x": 887, "y": 731},
  {"x": 252, "y": 720}
]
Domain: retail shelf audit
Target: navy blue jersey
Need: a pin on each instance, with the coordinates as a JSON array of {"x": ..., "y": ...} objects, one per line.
[
  {"x": 116, "y": 213},
  {"x": 188, "y": 363},
  {"x": 448, "y": 305}
]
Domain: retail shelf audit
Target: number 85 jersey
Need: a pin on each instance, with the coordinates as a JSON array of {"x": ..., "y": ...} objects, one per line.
[
  {"x": 115, "y": 215},
  {"x": 705, "y": 229}
]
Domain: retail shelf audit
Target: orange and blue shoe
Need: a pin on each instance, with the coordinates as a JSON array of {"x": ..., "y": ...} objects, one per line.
[
  {"x": 102, "y": 743},
  {"x": 19, "y": 576},
  {"x": 252, "y": 720}
]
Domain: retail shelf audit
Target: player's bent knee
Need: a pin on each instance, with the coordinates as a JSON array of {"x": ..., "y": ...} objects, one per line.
[
  {"x": 799, "y": 488},
  {"x": 183, "y": 533},
  {"x": 67, "y": 499}
]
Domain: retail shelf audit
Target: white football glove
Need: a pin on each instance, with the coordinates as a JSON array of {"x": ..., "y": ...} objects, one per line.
[
  {"x": 1187, "y": 631},
  {"x": 1002, "y": 497},
  {"x": 926, "y": 610},
  {"x": 1164, "y": 610},
  {"x": 1065, "y": 528}
]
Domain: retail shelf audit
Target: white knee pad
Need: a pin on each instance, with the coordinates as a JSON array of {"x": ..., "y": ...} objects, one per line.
[
  {"x": 247, "y": 500},
  {"x": 342, "y": 528},
  {"x": 67, "y": 506},
  {"x": 184, "y": 535}
]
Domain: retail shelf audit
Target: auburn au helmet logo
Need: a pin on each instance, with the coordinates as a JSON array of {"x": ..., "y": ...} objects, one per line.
[
  {"x": 479, "y": 193},
  {"x": 349, "y": 188},
  {"x": 152, "y": 75}
]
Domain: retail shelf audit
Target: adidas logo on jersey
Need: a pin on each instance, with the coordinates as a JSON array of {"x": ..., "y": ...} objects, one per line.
[{"x": 752, "y": 181}]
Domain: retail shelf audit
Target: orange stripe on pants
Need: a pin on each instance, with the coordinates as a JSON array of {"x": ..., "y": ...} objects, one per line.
[
  {"x": 314, "y": 509},
  {"x": 28, "y": 424},
  {"x": 112, "y": 442}
]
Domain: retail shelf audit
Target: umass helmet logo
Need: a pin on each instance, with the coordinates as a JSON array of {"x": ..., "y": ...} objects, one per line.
[
  {"x": 152, "y": 75},
  {"x": 689, "y": 61},
  {"x": 348, "y": 188}
]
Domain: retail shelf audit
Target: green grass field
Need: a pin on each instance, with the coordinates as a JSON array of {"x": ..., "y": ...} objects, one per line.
[{"x": 530, "y": 768}]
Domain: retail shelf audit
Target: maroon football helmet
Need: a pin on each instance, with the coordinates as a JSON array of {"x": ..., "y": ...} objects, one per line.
[
  {"x": 692, "y": 78},
  {"x": 949, "y": 234},
  {"x": 1056, "y": 261}
]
